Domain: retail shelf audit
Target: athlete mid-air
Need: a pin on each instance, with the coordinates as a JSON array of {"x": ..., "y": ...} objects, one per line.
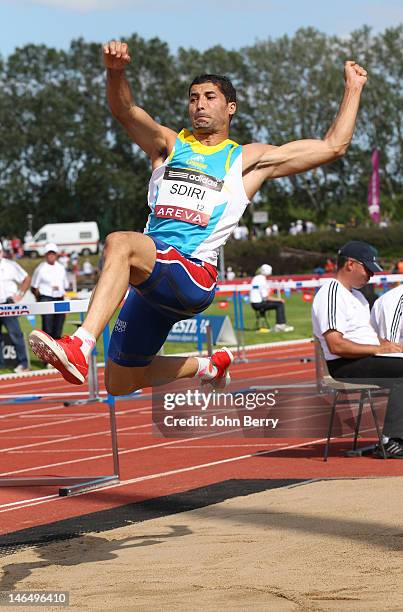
[{"x": 199, "y": 188}]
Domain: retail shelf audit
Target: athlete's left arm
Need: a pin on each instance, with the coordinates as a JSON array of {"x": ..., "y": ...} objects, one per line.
[{"x": 262, "y": 162}]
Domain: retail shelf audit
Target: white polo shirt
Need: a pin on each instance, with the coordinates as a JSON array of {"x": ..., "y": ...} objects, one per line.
[
  {"x": 336, "y": 308},
  {"x": 387, "y": 315},
  {"x": 50, "y": 280},
  {"x": 11, "y": 275},
  {"x": 260, "y": 289}
]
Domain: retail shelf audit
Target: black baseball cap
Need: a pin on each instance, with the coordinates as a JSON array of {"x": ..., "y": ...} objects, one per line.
[{"x": 362, "y": 252}]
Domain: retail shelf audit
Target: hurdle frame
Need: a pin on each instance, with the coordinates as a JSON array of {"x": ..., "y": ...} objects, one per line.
[{"x": 68, "y": 485}]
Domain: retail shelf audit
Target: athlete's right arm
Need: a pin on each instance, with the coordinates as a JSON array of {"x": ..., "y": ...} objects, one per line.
[{"x": 156, "y": 140}]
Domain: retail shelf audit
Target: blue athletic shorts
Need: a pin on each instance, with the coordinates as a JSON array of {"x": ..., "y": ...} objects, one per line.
[{"x": 178, "y": 288}]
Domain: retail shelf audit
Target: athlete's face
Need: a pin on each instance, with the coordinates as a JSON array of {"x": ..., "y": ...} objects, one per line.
[{"x": 209, "y": 111}]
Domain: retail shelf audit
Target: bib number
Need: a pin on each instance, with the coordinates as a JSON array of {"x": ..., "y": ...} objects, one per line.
[{"x": 186, "y": 195}]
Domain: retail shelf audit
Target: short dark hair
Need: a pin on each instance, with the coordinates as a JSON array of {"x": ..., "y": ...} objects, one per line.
[
  {"x": 222, "y": 82},
  {"x": 341, "y": 261}
]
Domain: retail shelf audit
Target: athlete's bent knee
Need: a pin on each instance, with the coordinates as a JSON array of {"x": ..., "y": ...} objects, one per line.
[
  {"x": 119, "y": 388},
  {"x": 116, "y": 380}
]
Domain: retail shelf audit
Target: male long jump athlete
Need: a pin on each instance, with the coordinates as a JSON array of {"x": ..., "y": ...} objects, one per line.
[{"x": 199, "y": 188}]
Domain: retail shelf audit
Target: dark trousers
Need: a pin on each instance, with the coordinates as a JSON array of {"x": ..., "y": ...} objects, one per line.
[
  {"x": 13, "y": 328},
  {"x": 271, "y": 305},
  {"x": 52, "y": 324},
  {"x": 387, "y": 372}
]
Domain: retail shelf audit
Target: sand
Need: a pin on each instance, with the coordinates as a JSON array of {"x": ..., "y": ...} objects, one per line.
[{"x": 326, "y": 545}]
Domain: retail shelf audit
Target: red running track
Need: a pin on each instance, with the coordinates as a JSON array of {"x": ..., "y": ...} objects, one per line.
[{"x": 39, "y": 439}]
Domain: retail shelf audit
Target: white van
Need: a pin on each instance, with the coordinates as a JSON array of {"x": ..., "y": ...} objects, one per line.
[{"x": 81, "y": 237}]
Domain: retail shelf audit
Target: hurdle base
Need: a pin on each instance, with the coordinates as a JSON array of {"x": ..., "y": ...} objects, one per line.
[
  {"x": 90, "y": 400},
  {"x": 361, "y": 452},
  {"x": 79, "y": 484}
]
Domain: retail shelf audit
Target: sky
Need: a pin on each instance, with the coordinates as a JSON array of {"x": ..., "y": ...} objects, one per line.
[{"x": 201, "y": 24}]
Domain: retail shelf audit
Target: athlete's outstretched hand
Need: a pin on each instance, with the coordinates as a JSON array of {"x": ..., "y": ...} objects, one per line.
[
  {"x": 116, "y": 55},
  {"x": 354, "y": 74}
]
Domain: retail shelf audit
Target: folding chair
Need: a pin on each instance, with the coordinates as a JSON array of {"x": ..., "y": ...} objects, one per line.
[
  {"x": 260, "y": 313},
  {"x": 327, "y": 384}
]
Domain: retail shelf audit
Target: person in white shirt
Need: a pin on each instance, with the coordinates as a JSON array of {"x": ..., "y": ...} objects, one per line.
[
  {"x": 87, "y": 268},
  {"x": 230, "y": 274},
  {"x": 14, "y": 282},
  {"x": 49, "y": 282},
  {"x": 352, "y": 348},
  {"x": 261, "y": 300},
  {"x": 387, "y": 315}
]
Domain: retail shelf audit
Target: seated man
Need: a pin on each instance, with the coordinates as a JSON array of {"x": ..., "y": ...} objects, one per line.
[
  {"x": 341, "y": 321},
  {"x": 261, "y": 299},
  {"x": 387, "y": 315}
]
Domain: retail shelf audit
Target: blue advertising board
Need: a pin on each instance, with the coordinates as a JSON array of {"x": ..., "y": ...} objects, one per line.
[{"x": 194, "y": 330}]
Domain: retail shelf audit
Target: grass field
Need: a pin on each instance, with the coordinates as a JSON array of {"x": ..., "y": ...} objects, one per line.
[{"x": 297, "y": 311}]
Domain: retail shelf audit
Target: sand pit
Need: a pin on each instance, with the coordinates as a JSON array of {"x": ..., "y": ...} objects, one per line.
[{"x": 328, "y": 545}]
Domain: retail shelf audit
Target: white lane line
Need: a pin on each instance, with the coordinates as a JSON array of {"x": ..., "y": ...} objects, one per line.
[
  {"x": 124, "y": 483},
  {"x": 55, "y": 451},
  {"x": 57, "y": 416},
  {"x": 34, "y": 412},
  {"x": 13, "y": 414},
  {"x": 106, "y": 455},
  {"x": 70, "y": 420},
  {"x": 134, "y": 450},
  {"x": 265, "y": 350},
  {"x": 34, "y": 499},
  {"x": 70, "y": 438}
]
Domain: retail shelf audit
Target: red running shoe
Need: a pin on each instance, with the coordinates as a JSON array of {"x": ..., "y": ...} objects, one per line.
[
  {"x": 222, "y": 360},
  {"x": 64, "y": 354}
]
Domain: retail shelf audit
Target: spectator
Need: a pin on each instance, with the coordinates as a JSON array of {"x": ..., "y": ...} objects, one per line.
[
  {"x": 330, "y": 266},
  {"x": 14, "y": 282},
  {"x": 387, "y": 315},
  {"x": 74, "y": 262},
  {"x": 230, "y": 274},
  {"x": 261, "y": 300},
  {"x": 64, "y": 260},
  {"x": 241, "y": 232},
  {"x": 88, "y": 268},
  {"x": 319, "y": 270},
  {"x": 274, "y": 229},
  {"x": 16, "y": 246},
  {"x": 353, "y": 351},
  {"x": 293, "y": 229},
  {"x": 49, "y": 283},
  {"x": 28, "y": 236}
]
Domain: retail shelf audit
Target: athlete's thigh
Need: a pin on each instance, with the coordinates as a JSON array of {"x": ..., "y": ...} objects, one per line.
[
  {"x": 140, "y": 250},
  {"x": 139, "y": 332},
  {"x": 179, "y": 286}
]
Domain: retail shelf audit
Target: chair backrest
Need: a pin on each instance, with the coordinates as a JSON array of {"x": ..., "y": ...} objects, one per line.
[{"x": 321, "y": 368}]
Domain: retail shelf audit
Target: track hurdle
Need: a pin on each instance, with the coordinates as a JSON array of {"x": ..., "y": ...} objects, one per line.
[{"x": 68, "y": 485}]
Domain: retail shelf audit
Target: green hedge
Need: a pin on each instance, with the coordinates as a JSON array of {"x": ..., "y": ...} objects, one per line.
[
  {"x": 246, "y": 257},
  {"x": 388, "y": 241},
  {"x": 303, "y": 253}
]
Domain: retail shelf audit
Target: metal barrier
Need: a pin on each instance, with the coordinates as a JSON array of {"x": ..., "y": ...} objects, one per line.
[{"x": 69, "y": 485}]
